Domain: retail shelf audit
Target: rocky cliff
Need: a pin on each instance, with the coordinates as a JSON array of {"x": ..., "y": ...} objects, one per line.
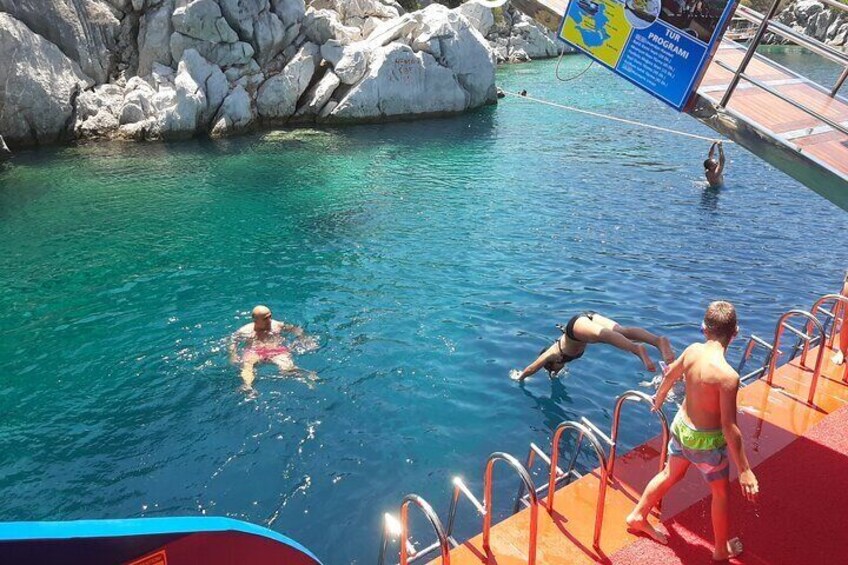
[
  {"x": 828, "y": 25},
  {"x": 161, "y": 69}
]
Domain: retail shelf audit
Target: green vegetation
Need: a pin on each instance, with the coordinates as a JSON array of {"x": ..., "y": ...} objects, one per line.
[{"x": 498, "y": 14}]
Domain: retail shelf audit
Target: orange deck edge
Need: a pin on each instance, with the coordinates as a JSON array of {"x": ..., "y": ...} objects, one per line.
[{"x": 770, "y": 420}]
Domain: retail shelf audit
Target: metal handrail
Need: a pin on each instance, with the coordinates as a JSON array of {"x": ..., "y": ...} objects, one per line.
[
  {"x": 818, "y": 306},
  {"x": 535, "y": 451},
  {"x": 583, "y": 431},
  {"x": 754, "y": 341},
  {"x": 407, "y": 550},
  {"x": 820, "y": 117},
  {"x": 834, "y": 4},
  {"x": 839, "y": 82},
  {"x": 766, "y": 24},
  {"x": 637, "y": 396},
  {"x": 787, "y": 32},
  {"x": 487, "y": 500},
  {"x": 752, "y": 48},
  {"x": 778, "y": 334},
  {"x": 460, "y": 488}
]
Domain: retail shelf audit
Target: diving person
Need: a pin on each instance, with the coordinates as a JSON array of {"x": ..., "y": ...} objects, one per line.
[
  {"x": 703, "y": 429},
  {"x": 842, "y": 345},
  {"x": 714, "y": 170},
  {"x": 591, "y": 327},
  {"x": 263, "y": 343}
]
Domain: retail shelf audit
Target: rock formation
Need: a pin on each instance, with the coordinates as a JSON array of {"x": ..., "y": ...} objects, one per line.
[
  {"x": 812, "y": 18},
  {"x": 164, "y": 69}
]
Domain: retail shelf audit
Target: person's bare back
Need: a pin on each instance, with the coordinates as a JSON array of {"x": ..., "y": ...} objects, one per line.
[
  {"x": 706, "y": 373},
  {"x": 703, "y": 431}
]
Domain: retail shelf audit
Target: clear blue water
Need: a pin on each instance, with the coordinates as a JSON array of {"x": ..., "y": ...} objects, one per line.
[{"x": 429, "y": 257}]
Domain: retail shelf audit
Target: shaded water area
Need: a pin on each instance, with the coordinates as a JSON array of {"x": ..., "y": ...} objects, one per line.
[{"x": 428, "y": 257}]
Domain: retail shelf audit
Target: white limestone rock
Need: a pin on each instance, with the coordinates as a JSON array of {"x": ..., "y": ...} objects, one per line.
[
  {"x": 269, "y": 37},
  {"x": 355, "y": 12},
  {"x": 202, "y": 19},
  {"x": 463, "y": 50},
  {"x": 277, "y": 97},
  {"x": 242, "y": 14},
  {"x": 320, "y": 26},
  {"x": 353, "y": 64},
  {"x": 236, "y": 113},
  {"x": 222, "y": 54},
  {"x": 98, "y": 111},
  {"x": 39, "y": 85},
  {"x": 199, "y": 89},
  {"x": 85, "y": 31},
  {"x": 401, "y": 83},
  {"x": 154, "y": 33},
  {"x": 319, "y": 94},
  {"x": 289, "y": 11},
  {"x": 477, "y": 15}
]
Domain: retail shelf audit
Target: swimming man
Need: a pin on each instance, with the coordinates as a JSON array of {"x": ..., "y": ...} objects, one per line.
[
  {"x": 263, "y": 343},
  {"x": 703, "y": 429},
  {"x": 591, "y": 327},
  {"x": 714, "y": 170}
]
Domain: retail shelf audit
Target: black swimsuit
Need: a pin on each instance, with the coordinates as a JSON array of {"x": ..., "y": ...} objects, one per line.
[{"x": 569, "y": 331}]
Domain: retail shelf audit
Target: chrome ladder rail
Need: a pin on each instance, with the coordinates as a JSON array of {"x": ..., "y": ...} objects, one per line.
[
  {"x": 782, "y": 324},
  {"x": 840, "y": 303},
  {"x": 485, "y": 508},
  {"x": 636, "y": 396},
  {"x": 753, "y": 342},
  {"x": 587, "y": 432},
  {"x": 408, "y": 553}
]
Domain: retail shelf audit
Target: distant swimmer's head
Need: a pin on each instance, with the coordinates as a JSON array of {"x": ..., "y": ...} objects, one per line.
[
  {"x": 553, "y": 366},
  {"x": 720, "y": 322},
  {"x": 710, "y": 164},
  {"x": 261, "y": 318}
]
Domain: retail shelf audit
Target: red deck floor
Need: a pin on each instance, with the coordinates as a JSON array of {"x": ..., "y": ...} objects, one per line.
[
  {"x": 798, "y": 451},
  {"x": 800, "y": 517}
]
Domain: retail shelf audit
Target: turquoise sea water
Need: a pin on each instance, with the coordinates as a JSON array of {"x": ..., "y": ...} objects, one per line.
[{"x": 428, "y": 257}]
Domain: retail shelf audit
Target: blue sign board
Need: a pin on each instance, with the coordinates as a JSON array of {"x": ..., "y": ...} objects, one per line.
[{"x": 661, "y": 46}]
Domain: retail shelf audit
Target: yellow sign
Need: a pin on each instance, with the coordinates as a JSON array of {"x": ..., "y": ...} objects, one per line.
[{"x": 599, "y": 27}]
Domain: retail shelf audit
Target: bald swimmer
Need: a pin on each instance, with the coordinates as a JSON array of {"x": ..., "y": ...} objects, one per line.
[{"x": 263, "y": 343}]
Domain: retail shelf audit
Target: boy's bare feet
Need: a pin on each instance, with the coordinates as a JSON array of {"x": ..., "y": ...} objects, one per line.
[
  {"x": 646, "y": 359},
  {"x": 838, "y": 358},
  {"x": 666, "y": 350},
  {"x": 638, "y": 525},
  {"x": 733, "y": 549}
]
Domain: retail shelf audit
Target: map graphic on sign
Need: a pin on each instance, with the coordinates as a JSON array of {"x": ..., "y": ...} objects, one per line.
[
  {"x": 597, "y": 26},
  {"x": 662, "y": 46}
]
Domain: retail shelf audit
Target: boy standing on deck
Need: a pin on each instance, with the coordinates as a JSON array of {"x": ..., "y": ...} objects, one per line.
[{"x": 702, "y": 431}]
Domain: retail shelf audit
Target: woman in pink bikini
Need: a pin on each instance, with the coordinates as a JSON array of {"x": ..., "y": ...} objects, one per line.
[{"x": 263, "y": 343}]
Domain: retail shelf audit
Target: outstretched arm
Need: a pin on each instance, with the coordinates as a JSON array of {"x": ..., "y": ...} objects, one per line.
[
  {"x": 747, "y": 479},
  {"x": 534, "y": 367},
  {"x": 720, "y": 157},
  {"x": 671, "y": 376},
  {"x": 713, "y": 149}
]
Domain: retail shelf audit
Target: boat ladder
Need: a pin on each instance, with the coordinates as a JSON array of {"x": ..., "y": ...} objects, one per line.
[{"x": 399, "y": 529}]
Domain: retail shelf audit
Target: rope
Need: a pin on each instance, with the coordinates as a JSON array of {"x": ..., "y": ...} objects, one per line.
[
  {"x": 575, "y": 77},
  {"x": 613, "y": 118}
]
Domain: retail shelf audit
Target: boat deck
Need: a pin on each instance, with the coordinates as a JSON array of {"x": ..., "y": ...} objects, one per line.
[
  {"x": 784, "y": 126},
  {"x": 798, "y": 451},
  {"x": 791, "y": 139}
]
